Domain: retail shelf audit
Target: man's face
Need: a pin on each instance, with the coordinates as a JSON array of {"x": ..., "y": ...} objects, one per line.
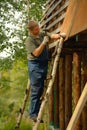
[{"x": 35, "y": 30}]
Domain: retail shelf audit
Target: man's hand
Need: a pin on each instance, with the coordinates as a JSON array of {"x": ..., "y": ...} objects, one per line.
[{"x": 45, "y": 40}]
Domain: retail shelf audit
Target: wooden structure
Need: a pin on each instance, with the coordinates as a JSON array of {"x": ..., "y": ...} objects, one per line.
[{"x": 69, "y": 16}]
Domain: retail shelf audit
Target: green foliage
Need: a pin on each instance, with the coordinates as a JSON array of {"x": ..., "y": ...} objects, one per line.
[
  {"x": 6, "y": 63},
  {"x": 13, "y": 18},
  {"x": 12, "y": 25},
  {"x": 14, "y": 15},
  {"x": 12, "y": 87},
  {"x": 36, "y": 9}
]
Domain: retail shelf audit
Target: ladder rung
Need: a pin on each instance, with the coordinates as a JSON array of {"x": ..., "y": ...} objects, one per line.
[{"x": 49, "y": 77}]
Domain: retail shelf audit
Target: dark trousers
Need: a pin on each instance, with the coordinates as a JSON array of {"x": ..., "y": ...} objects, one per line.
[{"x": 37, "y": 73}]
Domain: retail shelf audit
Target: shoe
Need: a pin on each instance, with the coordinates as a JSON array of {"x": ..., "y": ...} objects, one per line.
[
  {"x": 35, "y": 120},
  {"x": 41, "y": 121}
]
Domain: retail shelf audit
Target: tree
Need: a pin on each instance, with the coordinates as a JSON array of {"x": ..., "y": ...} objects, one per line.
[{"x": 14, "y": 16}]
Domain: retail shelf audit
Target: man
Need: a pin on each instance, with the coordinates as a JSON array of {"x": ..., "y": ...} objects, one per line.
[{"x": 37, "y": 52}]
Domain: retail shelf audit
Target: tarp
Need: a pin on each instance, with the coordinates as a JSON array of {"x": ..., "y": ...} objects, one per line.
[{"x": 75, "y": 20}]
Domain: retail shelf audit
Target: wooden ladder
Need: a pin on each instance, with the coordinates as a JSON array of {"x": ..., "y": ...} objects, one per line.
[
  {"x": 55, "y": 61},
  {"x": 57, "y": 53}
]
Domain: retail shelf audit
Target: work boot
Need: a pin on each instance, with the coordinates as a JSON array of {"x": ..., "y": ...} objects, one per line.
[{"x": 35, "y": 120}]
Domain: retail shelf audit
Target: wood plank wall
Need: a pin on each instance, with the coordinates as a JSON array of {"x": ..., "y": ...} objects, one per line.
[
  {"x": 70, "y": 80},
  {"x": 71, "y": 74}
]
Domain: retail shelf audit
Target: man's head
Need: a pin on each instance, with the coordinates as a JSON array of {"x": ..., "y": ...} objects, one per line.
[{"x": 33, "y": 27}]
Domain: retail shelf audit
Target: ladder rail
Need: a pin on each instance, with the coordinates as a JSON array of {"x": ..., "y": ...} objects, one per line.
[
  {"x": 79, "y": 107},
  {"x": 21, "y": 111}
]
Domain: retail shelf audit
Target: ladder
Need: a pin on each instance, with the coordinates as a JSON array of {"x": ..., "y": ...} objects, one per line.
[
  {"x": 55, "y": 61},
  {"x": 79, "y": 107},
  {"x": 57, "y": 53},
  {"x": 21, "y": 111}
]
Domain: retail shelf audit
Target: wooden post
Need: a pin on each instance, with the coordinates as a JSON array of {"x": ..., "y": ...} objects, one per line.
[
  {"x": 61, "y": 93},
  {"x": 84, "y": 80},
  {"x": 78, "y": 109},
  {"x": 68, "y": 88},
  {"x": 56, "y": 118},
  {"x": 51, "y": 107},
  {"x": 77, "y": 82}
]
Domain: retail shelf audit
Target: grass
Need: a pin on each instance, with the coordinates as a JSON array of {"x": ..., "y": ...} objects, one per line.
[
  {"x": 10, "y": 125},
  {"x": 26, "y": 124}
]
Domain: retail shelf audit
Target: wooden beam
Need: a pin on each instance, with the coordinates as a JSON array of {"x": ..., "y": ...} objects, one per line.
[
  {"x": 77, "y": 82},
  {"x": 47, "y": 2},
  {"x": 56, "y": 21},
  {"x": 56, "y": 30},
  {"x": 61, "y": 93},
  {"x": 71, "y": 43},
  {"x": 84, "y": 80},
  {"x": 51, "y": 108},
  {"x": 68, "y": 89},
  {"x": 75, "y": 20},
  {"x": 78, "y": 109},
  {"x": 69, "y": 51},
  {"x": 51, "y": 9},
  {"x": 43, "y": 17},
  {"x": 56, "y": 119},
  {"x": 55, "y": 14}
]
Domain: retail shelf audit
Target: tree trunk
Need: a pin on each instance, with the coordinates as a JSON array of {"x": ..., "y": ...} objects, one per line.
[
  {"x": 84, "y": 80},
  {"x": 77, "y": 82},
  {"x": 61, "y": 94},
  {"x": 68, "y": 89}
]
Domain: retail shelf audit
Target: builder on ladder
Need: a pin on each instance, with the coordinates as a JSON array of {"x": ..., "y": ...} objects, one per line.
[{"x": 37, "y": 53}]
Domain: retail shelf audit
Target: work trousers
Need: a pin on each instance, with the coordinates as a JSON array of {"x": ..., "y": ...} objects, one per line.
[{"x": 37, "y": 74}]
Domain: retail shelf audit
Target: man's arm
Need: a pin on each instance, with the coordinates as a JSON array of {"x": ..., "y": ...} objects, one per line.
[
  {"x": 57, "y": 36},
  {"x": 54, "y": 36},
  {"x": 39, "y": 50}
]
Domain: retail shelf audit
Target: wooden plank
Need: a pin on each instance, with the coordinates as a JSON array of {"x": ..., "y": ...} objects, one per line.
[
  {"x": 69, "y": 51},
  {"x": 51, "y": 108},
  {"x": 70, "y": 44},
  {"x": 47, "y": 2},
  {"x": 77, "y": 82},
  {"x": 84, "y": 79},
  {"x": 56, "y": 119},
  {"x": 56, "y": 21},
  {"x": 61, "y": 93},
  {"x": 47, "y": 10},
  {"x": 52, "y": 44},
  {"x": 68, "y": 88},
  {"x": 78, "y": 109},
  {"x": 56, "y": 30},
  {"x": 75, "y": 20},
  {"x": 56, "y": 13},
  {"x": 51, "y": 9},
  {"x": 54, "y": 6},
  {"x": 82, "y": 37}
]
